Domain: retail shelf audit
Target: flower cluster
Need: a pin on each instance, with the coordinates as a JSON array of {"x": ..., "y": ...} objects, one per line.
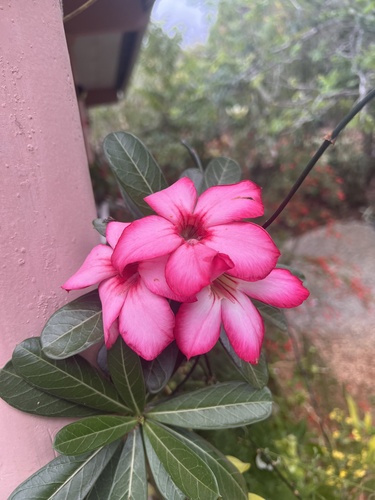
[{"x": 197, "y": 251}]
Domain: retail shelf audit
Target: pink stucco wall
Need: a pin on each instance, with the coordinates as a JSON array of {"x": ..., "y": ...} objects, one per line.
[{"x": 46, "y": 204}]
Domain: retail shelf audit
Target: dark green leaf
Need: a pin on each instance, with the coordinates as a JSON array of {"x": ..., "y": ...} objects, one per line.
[
  {"x": 231, "y": 404},
  {"x": 91, "y": 433},
  {"x": 195, "y": 175},
  {"x": 65, "y": 478},
  {"x": 230, "y": 481},
  {"x": 125, "y": 476},
  {"x": 74, "y": 327},
  {"x": 25, "y": 397},
  {"x": 102, "y": 487},
  {"x": 134, "y": 167},
  {"x": 222, "y": 170},
  {"x": 101, "y": 225},
  {"x": 187, "y": 470},
  {"x": 126, "y": 372},
  {"x": 73, "y": 379},
  {"x": 129, "y": 478},
  {"x": 255, "y": 375},
  {"x": 272, "y": 314},
  {"x": 158, "y": 371},
  {"x": 162, "y": 479}
]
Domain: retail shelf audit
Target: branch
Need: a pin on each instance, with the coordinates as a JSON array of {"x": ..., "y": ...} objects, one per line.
[
  {"x": 329, "y": 139},
  {"x": 79, "y": 10}
]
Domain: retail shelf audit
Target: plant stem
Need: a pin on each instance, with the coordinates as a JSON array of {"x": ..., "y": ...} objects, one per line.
[
  {"x": 194, "y": 155},
  {"x": 79, "y": 10},
  {"x": 187, "y": 376},
  {"x": 328, "y": 140}
]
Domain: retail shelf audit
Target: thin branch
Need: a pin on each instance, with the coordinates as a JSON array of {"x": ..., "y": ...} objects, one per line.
[
  {"x": 187, "y": 376},
  {"x": 330, "y": 139},
  {"x": 79, "y": 10},
  {"x": 194, "y": 155}
]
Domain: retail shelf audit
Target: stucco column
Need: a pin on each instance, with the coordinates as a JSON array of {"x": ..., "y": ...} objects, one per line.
[{"x": 46, "y": 204}]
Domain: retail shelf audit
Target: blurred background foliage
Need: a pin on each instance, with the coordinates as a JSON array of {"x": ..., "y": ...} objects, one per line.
[{"x": 273, "y": 79}]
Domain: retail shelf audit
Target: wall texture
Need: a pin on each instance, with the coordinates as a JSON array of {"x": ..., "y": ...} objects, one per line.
[{"x": 46, "y": 204}]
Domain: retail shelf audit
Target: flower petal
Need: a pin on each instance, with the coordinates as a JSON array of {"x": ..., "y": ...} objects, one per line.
[
  {"x": 223, "y": 204},
  {"x": 114, "y": 231},
  {"x": 280, "y": 289},
  {"x": 175, "y": 202},
  {"x": 96, "y": 267},
  {"x": 146, "y": 321},
  {"x": 112, "y": 294},
  {"x": 145, "y": 239},
  {"x": 153, "y": 274},
  {"x": 198, "y": 324},
  {"x": 249, "y": 246},
  {"x": 244, "y": 326},
  {"x": 193, "y": 266}
]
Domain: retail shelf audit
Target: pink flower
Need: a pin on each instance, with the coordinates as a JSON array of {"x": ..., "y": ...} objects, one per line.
[
  {"x": 144, "y": 320},
  {"x": 192, "y": 232},
  {"x": 226, "y": 300}
]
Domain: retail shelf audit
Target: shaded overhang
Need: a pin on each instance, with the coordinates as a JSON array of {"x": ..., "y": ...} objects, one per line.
[{"x": 103, "y": 42}]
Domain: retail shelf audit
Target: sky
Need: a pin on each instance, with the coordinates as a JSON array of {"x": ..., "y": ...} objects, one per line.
[{"x": 189, "y": 17}]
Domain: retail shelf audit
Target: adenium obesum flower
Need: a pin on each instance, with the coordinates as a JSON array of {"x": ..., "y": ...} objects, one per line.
[
  {"x": 226, "y": 301},
  {"x": 144, "y": 320},
  {"x": 192, "y": 232}
]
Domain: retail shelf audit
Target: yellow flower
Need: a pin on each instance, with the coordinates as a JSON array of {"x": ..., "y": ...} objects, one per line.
[
  {"x": 343, "y": 473},
  {"x": 241, "y": 466},
  {"x": 253, "y": 496},
  {"x": 359, "y": 473},
  {"x": 335, "y": 434},
  {"x": 338, "y": 455},
  {"x": 356, "y": 435}
]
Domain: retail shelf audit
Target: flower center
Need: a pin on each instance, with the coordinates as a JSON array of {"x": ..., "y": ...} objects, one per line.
[
  {"x": 192, "y": 230},
  {"x": 224, "y": 287}
]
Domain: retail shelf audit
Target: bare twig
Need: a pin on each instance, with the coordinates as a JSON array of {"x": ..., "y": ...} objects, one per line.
[
  {"x": 78, "y": 11},
  {"x": 328, "y": 140}
]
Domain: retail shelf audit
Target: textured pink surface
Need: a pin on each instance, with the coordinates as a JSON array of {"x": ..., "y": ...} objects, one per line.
[{"x": 46, "y": 204}]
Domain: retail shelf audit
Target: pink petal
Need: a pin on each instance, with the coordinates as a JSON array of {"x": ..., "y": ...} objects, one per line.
[
  {"x": 175, "y": 202},
  {"x": 280, "y": 289},
  {"x": 114, "y": 231},
  {"x": 153, "y": 274},
  {"x": 145, "y": 239},
  {"x": 244, "y": 326},
  {"x": 198, "y": 324},
  {"x": 223, "y": 204},
  {"x": 192, "y": 267},
  {"x": 112, "y": 294},
  {"x": 146, "y": 321},
  {"x": 249, "y": 246},
  {"x": 96, "y": 267}
]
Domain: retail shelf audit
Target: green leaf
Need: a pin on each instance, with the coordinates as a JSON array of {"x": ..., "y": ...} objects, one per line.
[
  {"x": 127, "y": 478},
  {"x": 195, "y": 175},
  {"x": 73, "y": 379},
  {"x": 65, "y": 478},
  {"x": 231, "y": 404},
  {"x": 187, "y": 470},
  {"x": 158, "y": 371},
  {"x": 74, "y": 327},
  {"x": 255, "y": 375},
  {"x": 103, "y": 485},
  {"x": 222, "y": 170},
  {"x": 162, "y": 479},
  {"x": 134, "y": 167},
  {"x": 230, "y": 481},
  {"x": 91, "y": 433},
  {"x": 272, "y": 314},
  {"x": 25, "y": 397},
  {"x": 101, "y": 225},
  {"x": 126, "y": 372}
]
